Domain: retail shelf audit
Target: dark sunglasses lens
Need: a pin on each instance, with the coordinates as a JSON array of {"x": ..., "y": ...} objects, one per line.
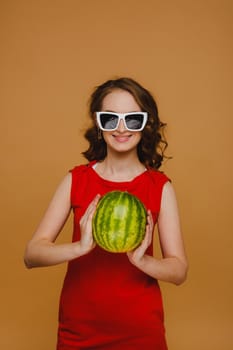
[
  {"x": 108, "y": 121},
  {"x": 134, "y": 121}
]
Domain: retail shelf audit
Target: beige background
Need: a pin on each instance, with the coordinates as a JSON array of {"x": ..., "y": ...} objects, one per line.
[{"x": 52, "y": 54}]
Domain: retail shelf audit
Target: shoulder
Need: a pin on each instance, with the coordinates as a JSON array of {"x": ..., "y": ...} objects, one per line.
[
  {"x": 81, "y": 175},
  {"x": 81, "y": 168},
  {"x": 155, "y": 183},
  {"x": 158, "y": 176},
  {"x": 78, "y": 169}
]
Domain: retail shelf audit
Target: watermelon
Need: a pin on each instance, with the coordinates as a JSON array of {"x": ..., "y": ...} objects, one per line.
[{"x": 119, "y": 222}]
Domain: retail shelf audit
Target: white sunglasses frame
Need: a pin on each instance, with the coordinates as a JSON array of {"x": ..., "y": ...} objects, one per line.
[{"x": 121, "y": 116}]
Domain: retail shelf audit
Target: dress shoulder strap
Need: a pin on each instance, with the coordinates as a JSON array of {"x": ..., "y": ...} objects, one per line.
[
  {"x": 79, "y": 181},
  {"x": 157, "y": 182}
]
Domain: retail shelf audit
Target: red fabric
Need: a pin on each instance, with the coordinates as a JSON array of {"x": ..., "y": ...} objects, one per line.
[{"x": 106, "y": 302}]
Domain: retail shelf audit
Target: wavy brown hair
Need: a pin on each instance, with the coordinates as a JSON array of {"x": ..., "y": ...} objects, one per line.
[{"x": 152, "y": 144}]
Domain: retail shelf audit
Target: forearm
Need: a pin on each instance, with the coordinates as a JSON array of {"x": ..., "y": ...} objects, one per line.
[
  {"x": 170, "y": 269},
  {"x": 44, "y": 253}
]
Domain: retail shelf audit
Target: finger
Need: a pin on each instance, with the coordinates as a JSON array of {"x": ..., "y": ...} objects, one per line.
[
  {"x": 148, "y": 236},
  {"x": 87, "y": 217},
  {"x": 96, "y": 199},
  {"x": 149, "y": 217},
  {"x": 150, "y": 221},
  {"x": 94, "y": 202},
  {"x": 92, "y": 205}
]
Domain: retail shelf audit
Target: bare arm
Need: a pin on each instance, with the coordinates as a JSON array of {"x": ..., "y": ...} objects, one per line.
[
  {"x": 42, "y": 250},
  {"x": 173, "y": 266}
]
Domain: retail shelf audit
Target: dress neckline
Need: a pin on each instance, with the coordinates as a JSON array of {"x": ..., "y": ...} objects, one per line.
[{"x": 121, "y": 184}]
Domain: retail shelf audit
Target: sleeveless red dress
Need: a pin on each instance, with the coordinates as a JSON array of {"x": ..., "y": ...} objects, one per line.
[{"x": 106, "y": 302}]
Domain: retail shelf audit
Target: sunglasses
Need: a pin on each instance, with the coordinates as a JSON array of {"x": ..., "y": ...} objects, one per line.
[{"x": 133, "y": 121}]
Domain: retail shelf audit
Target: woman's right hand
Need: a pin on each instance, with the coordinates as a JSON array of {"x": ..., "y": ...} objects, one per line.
[{"x": 87, "y": 242}]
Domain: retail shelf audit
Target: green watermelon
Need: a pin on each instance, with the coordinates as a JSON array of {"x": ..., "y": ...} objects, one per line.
[{"x": 119, "y": 222}]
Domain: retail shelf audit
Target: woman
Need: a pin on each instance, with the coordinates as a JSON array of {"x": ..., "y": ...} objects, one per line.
[{"x": 113, "y": 301}]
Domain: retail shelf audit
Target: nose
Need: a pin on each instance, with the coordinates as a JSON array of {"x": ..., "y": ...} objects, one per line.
[{"x": 121, "y": 126}]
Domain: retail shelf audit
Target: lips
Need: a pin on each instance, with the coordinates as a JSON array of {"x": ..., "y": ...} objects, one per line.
[{"x": 122, "y": 138}]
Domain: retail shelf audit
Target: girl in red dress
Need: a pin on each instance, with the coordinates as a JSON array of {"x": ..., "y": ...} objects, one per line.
[{"x": 113, "y": 300}]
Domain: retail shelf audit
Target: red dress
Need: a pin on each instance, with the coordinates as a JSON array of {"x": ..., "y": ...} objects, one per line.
[{"x": 106, "y": 302}]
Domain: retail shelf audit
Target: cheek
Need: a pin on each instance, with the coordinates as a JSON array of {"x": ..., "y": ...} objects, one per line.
[
  {"x": 138, "y": 137},
  {"x": 105, "y": 135}
]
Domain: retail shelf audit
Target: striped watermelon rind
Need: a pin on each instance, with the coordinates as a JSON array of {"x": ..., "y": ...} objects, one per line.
[{"x": 119, "y": 222}]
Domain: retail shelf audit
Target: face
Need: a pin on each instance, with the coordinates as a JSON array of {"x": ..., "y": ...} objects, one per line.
[{"x": 121, "y": 139}]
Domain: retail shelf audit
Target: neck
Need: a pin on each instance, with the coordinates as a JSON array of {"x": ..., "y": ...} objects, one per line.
[{"x": 120, "y": 167}]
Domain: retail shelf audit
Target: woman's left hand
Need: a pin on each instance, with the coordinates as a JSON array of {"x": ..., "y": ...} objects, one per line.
[{"x": 136, "y": 256}]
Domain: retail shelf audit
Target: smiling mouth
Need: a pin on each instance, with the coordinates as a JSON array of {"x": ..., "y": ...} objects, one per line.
[{"x": 121, "y": 138}]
